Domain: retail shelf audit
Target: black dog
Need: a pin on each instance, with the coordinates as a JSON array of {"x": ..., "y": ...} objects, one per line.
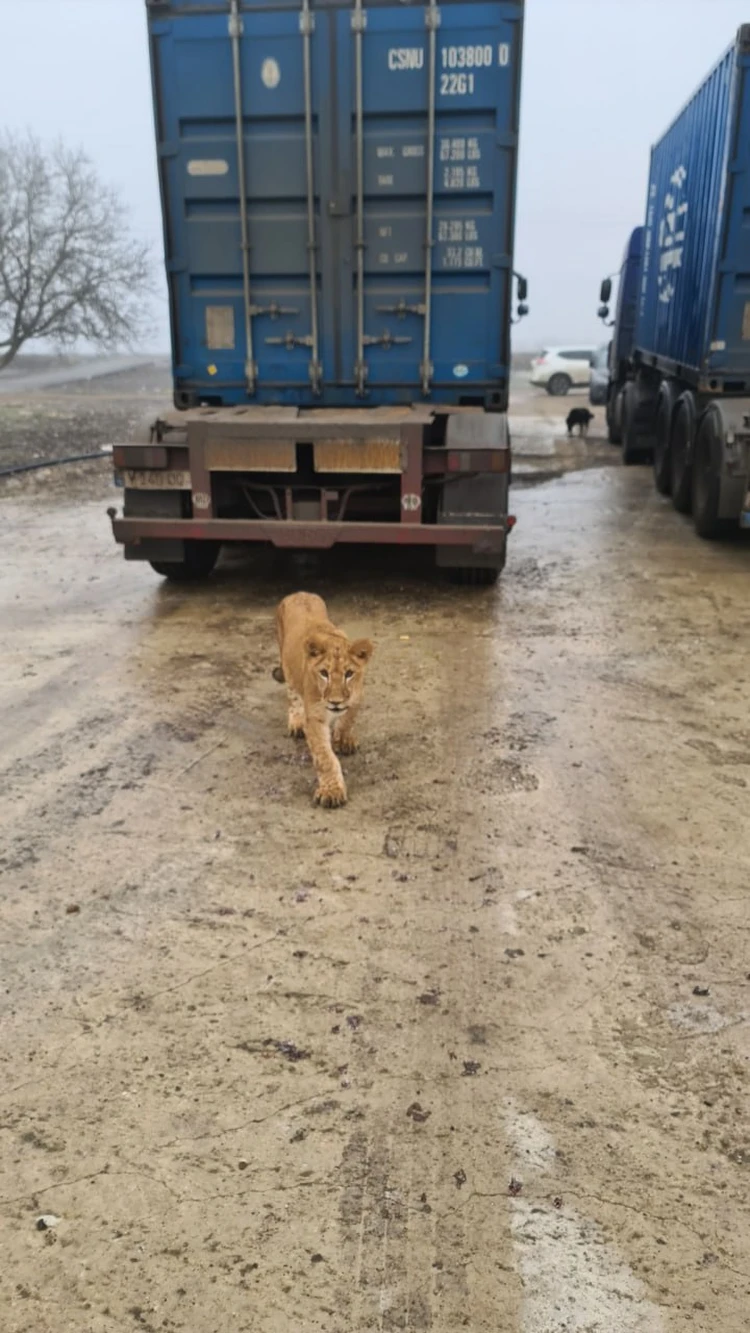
[{"x": 580, "y": 417}]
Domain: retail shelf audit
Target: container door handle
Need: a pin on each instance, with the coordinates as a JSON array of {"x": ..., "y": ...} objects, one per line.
[
  {"x": 432, "y": 23},
  {"x": 235, "y": 34},
  {"x": 359, "y": 23},
  {"x": 307, "y": 27}
]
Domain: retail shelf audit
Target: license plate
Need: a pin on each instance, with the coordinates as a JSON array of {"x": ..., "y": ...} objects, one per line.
[{"x": 143, "y": 479}]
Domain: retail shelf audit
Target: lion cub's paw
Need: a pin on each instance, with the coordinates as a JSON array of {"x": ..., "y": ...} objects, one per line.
[
  {"x": 330, "y": 795},
  {"x": 296, "y": 731},
  {"x": 345, "y": 745}
]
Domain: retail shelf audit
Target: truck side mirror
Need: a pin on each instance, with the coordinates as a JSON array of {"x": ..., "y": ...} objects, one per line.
[
  {"x": 523, "y": 290},
  {"x": 522, "y": 309},
  {"x": 605, "y": 291},
  {"x": 603, "y": 311}
]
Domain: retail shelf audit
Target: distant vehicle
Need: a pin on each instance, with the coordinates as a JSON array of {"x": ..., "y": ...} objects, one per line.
[
  {"x": 685, "y": 395},
  {"x": 560, "y": 369},
  {"x": 599, "y": 385}
]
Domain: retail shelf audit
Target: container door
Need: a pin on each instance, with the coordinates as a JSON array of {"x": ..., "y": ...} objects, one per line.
[
  {"x": 728, "y": 332},
  {"x": 243, "y": 227},
  {"x": 427, "y": 133}
]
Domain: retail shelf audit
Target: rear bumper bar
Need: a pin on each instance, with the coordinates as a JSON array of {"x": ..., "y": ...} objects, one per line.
[{"x": 320, "y": 536}]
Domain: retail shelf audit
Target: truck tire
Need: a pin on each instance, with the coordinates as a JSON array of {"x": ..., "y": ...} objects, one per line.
[
  {"x": 198, "y": 562},
  {"x": 614, "y": 418},
  {"x": 469, "y": 576},
  {"x": 559, "y": 385},
  {"x": 707, "y": 461},
  {"x": 681, "y": 452},
  {"x": 632, "y": 450},
  {"x": 665, "y": 406}
]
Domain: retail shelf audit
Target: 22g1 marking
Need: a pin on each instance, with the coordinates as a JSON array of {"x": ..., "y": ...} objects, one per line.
[{"x": 465, "y": 59}]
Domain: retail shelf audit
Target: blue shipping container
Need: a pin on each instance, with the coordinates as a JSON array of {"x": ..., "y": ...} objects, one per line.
[
  {"x": 694, "y": 308},
  {"x": 358, "y": 249}
]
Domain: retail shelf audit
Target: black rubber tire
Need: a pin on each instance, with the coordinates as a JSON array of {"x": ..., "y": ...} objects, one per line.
[
  {"x": 614, "y": 418},
  {"x": 707, "y": 457},
  {"x": 199, "y": 562},
  {"x": 662, "y": 460},
  {"x": 681, "y": 452},
  {"x": 559, "y": 385},
  {"x": 469, "y": 576},
  {"x": 632, "y": 449}
]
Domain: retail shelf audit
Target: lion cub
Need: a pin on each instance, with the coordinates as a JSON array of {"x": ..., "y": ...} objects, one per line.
[{"x": 324, "y": 675}]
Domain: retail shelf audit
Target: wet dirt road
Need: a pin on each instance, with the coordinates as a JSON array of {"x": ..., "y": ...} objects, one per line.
[{"x": 472, "y": 1052}]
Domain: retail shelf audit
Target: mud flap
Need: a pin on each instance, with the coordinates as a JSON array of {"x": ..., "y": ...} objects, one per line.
[
  {"x": 478, "y": 500},
  {"x": 155, "y": 548},
  {"x": 154, "y": 504}
]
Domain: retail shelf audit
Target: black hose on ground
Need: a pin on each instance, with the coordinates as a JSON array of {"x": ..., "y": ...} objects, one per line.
[{"x": 52, "y": 462}]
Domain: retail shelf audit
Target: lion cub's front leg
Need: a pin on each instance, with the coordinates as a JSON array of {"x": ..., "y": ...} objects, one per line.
[
  {"x": 331, "y": 788},
  {"x": 296, "y": 715},
  {"x": 342, "y": 735}
]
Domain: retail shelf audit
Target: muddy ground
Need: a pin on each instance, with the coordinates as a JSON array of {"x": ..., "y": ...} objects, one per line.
[{"x": 472, "y": 1052}]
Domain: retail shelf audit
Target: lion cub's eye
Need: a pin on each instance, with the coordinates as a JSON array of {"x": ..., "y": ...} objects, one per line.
[
  {"x": 348, "y": 675},
  {"x": 324, "y": 674}
]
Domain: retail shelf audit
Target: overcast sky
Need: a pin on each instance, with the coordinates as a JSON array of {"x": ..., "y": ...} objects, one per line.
[{"x": 602, "y": 79}]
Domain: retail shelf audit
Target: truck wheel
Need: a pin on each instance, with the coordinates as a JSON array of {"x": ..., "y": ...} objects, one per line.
[
  {"x": 614, "y": 418},
  {"x": 632, "y": 449},
  {"x": 709, "y": 441},
  {"x": 198, "y": 562},
  {"x": 681, "y": 452},
  {"x": 469, "y": 576},
  {"x": 559, "y": 385},
  {"x": 665, "y": 406}
]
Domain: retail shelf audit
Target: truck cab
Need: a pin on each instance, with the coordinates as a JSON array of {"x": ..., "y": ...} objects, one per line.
[{"x": 623, "y": 329}]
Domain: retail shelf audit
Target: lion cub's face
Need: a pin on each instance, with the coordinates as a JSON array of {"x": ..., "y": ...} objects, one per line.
[{"x": 335, "y": 671}]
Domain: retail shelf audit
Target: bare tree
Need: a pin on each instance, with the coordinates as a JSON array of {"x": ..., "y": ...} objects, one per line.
[{"x": 70, "y": 268}]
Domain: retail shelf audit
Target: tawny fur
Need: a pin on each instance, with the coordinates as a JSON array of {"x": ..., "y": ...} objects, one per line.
[{"x": 324, "y": 674}]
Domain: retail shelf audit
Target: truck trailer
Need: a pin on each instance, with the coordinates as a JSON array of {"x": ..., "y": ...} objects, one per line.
[
  {"x": 685, "y": 392},
  {"x": 338, "y": 187}
]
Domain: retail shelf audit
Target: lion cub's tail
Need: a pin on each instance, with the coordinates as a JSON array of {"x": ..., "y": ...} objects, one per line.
[{"x": 278, "y": 675}]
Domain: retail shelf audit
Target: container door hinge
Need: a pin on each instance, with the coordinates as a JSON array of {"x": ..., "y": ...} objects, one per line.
[
  {"x": 384, "y": 339},
  {"x": 291, "y": 340},
  {"x": 273, "y": 310},
  {"x": 401, "y": 310}
]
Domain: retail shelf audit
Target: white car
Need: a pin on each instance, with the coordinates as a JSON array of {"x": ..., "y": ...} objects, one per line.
[{"x": 560, "y": 369}]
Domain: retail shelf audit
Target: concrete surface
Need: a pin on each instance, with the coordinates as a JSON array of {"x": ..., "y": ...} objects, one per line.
[{"x": 472, "y": 1052}]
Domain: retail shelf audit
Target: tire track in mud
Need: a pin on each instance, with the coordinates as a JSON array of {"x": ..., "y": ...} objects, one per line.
[{"x": 421, "y": 1211}]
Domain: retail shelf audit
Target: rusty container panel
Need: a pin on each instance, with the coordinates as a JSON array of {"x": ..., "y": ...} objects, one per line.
[
  {"x": 223, "y": 455},
  {"x": 383, "y": 456}
]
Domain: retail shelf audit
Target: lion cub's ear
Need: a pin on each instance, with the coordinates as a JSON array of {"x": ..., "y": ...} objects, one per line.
[
  {"x": 361, "y": 650},
  {"x": 314, "y": 646}
]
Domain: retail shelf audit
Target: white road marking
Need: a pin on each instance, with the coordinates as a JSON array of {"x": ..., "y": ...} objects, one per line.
[{"x": 574, "y": 1281}]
